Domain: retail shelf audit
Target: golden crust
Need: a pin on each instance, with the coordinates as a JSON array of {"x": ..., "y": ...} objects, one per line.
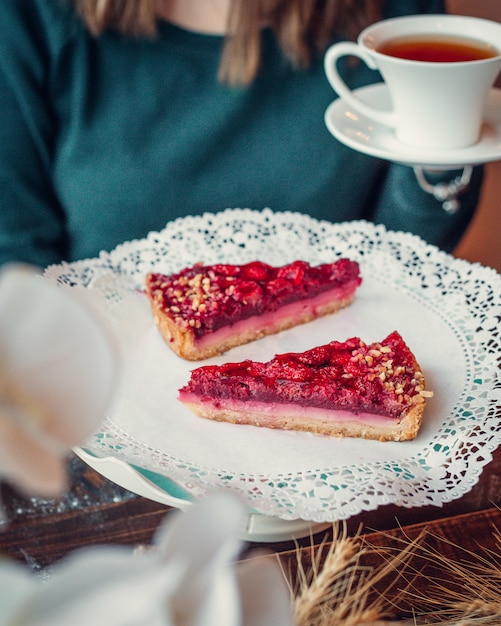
[{"x": 404, "y": 429}]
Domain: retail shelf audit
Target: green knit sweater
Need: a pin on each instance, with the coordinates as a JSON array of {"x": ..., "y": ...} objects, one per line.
[{"x": 105, "y": 139}]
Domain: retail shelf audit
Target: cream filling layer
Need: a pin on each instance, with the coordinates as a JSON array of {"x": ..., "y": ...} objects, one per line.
[
  {"x": 297, "y": 312},
  {"x": 272, "y": 415}
]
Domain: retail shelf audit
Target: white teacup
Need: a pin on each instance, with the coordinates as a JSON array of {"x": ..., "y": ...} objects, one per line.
[{"x": 436, "y": 104}]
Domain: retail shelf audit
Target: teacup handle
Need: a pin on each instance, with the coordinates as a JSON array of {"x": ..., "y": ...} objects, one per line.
[{"x": 349, "y": 48}]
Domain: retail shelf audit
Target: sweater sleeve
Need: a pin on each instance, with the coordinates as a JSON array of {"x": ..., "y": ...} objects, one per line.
[
  {"x": 403, "y": 206},
  {"x": 32, "y": 227}
]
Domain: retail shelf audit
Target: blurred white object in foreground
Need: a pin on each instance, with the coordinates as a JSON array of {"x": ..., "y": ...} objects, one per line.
[
  {"x": 58, "y": 369},
  {"x": 189, "y": 578}
]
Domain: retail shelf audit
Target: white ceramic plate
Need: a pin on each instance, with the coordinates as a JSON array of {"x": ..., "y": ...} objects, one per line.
[
  {"x": 364, "y": 135},
  {"x": 446, "y": 309}
]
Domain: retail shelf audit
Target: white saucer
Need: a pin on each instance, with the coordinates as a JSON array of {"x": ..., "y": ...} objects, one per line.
[{"x": 364, "y": 135}]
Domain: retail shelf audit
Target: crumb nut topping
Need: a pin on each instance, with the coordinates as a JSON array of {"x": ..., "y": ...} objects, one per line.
[
  {"x": 187, "y": 297},
  {"x": 406, "y": 383}
]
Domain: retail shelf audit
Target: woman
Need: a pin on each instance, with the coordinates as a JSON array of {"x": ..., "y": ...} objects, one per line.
[{"x": 121, "y": 115}]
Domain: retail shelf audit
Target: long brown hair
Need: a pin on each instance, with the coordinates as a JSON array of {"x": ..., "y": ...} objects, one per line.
[{"x": 303, "y": 28}]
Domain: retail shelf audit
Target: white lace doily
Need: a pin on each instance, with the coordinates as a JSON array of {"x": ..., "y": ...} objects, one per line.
[{"x": 447, "y": 310}]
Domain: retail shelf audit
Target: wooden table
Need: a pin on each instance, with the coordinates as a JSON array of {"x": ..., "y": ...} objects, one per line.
[{"x": 94, "y": 511}]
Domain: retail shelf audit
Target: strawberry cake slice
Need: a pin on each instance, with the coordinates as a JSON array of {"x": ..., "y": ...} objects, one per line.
[
  {"x": 348, "y": 389},
  {"x": 205, "y": 310}
]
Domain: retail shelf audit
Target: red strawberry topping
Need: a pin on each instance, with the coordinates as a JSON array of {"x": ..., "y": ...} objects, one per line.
[{"x": 381, "y": 378}]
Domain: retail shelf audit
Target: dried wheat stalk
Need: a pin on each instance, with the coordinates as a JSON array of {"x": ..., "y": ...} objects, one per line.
[
  {"x": 336, "y": 589},
  {"x": 474, "y": 597}
]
